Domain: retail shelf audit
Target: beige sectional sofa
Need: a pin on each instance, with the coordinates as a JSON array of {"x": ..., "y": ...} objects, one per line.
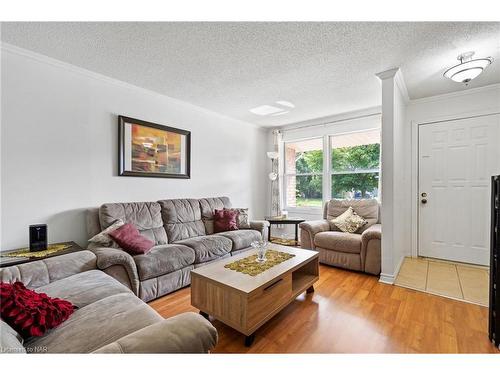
[
  {"x": 109, "y": 317},
  {"x": 359, "y": 251},
  {"x": 182, "y": 230}
]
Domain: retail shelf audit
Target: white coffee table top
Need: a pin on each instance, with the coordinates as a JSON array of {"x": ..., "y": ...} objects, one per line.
[{"x": 246, "y": 283}]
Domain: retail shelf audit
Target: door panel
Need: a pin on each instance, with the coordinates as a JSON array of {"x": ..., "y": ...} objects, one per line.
[{"x": 456, "y": 160}]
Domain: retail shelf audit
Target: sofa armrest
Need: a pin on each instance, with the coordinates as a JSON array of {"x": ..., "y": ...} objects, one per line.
[
  {"x": 371, "y": 249},
  {"x": 315, "y": 226},
  {"x": 373, "y": 232},
  {"x": 260, "y": 225},
  {"x": 184, "y": 333},
  {"x": 308, "y": 229},
  {"x": 108, "y": 257}
]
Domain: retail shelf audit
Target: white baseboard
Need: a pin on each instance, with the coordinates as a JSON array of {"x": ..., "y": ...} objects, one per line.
[
  {"x": 386, "y": 279},
  {"x": 390, "y": 278}
]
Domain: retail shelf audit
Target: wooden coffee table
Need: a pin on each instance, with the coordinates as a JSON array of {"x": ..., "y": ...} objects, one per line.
[{"x": 246, "y": 302}]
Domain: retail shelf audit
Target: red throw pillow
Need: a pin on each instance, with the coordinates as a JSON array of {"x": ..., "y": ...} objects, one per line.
[
  {"x": 130, "y": 240},
  {"x": 225, "y": 220},
  {"x": 31, "y": 313}
]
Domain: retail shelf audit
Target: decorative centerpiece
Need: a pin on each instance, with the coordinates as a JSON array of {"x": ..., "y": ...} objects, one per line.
[{"x": 261, "y": 247}]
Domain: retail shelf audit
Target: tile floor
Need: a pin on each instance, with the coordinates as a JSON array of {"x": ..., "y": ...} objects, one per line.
[{"x": 459, "y": 281}]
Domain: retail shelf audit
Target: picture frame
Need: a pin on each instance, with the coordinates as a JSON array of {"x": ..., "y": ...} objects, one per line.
[{"x": 147, "y": 149}]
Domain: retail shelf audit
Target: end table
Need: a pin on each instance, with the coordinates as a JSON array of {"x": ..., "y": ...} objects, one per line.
[
  {"x": 7, "y": 261},
  {"x": 294, "y": 221}
]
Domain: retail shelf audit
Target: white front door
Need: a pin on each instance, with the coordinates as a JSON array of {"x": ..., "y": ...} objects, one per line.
[{"x": 456, "y": 161}]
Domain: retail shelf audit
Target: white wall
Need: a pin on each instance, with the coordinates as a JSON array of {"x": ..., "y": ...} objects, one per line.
[
  {"x": 59, "y": 148},
  {"x": 402, "y": 181},
  {"x": 463, "y": 103}
]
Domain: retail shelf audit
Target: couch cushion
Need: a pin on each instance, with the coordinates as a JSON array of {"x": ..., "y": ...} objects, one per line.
[
  {"x": 84, "y": 288},
  {"x": 182, "y": 218},
  {"x": 208, "y": 247},
  {"x": 146, "y": 216},
  {"x": 208, "y": 206},
  {"x": 10, "y": 340},
  {"x": 241, "y": 238},
  {"x": 98, "y": 324},
  {"x": 339, "y": 241},
  {"x": 163, "y": 259},
  {"x": 367, "y": 208}
]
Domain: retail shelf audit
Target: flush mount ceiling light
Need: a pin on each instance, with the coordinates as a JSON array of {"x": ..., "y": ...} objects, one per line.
[
  {"x": 468, "y": 69},
  {"x": 285, "y": 103},
  {"x": 265, "y": 110},
  {"x": 283, "y": 108}
]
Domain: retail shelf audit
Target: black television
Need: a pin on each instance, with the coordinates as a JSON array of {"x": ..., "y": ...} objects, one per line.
[{"x": 494, "y": 320}]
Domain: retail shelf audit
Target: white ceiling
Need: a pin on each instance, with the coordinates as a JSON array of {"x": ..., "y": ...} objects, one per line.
[{"x": 322, "y": 68}]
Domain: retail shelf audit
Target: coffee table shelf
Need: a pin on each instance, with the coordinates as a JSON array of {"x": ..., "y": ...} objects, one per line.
[
  {"x": 301, "y": 282},
  {"x": 246, "y": 302}
]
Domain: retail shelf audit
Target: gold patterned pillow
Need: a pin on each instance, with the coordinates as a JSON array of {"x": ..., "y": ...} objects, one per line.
[{"x": 349, "y": 221}]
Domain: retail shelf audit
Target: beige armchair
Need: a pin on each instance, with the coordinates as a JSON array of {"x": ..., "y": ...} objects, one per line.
[{"x": 358, "y": 251}]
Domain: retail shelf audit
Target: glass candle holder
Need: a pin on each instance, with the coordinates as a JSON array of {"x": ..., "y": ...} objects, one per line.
[{"x": 261, "y": 247}]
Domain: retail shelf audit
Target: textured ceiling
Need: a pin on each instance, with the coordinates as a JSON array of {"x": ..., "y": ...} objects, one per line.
[{"x": 323, "y": 68}]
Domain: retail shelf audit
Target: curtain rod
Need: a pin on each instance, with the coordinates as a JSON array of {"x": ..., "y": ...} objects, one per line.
[{"x": 329, "y": 122}]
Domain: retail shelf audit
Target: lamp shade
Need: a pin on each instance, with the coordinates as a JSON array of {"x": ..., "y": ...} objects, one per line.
[
  {"x": 272, "y": 155},
  {"x": 466, "y": 71}
]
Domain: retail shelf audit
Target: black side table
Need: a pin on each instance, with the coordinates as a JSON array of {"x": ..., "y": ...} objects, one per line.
[
  {"x": 294, "y": 221},
  {"x": 6, "y": 261}
]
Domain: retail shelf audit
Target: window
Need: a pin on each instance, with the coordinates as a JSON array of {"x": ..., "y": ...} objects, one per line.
[
  {"x": 304, "y": 173},
  {"x": 355, "y": 165}
]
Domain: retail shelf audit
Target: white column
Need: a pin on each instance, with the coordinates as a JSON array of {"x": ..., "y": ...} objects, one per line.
[{"x": 394, "y": 98}]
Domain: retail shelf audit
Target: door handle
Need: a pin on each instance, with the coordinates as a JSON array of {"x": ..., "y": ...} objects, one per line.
[{"x": 424, "y": 198}]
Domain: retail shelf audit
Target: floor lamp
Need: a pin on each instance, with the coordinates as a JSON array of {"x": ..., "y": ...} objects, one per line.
[{"x": 273, "y": 177}]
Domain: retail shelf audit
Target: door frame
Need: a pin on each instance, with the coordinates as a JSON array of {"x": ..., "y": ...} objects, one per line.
[{"x": 415, "y": 126}]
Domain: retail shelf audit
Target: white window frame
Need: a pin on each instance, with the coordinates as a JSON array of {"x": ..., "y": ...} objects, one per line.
[
  {"x": 302, "y": 209},
  {"x": 358, "y": 171},
  {"x": 327, "y": 170}
]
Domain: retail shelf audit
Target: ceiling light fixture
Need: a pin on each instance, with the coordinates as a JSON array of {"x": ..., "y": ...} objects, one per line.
[
  {"x": 284, "y": 103},
  {"x": 280, "y": 113},
  {"x": 265, "y": 110},
  {"x": 468, "y": 69},
  {"x": 272, "y": 110}
]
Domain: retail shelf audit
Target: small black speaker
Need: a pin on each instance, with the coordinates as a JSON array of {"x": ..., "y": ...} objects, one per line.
[{"x": 38, "y": 237}]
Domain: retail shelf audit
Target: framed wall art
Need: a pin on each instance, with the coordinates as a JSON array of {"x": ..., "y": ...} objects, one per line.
[{"x": 147, "y": 149}]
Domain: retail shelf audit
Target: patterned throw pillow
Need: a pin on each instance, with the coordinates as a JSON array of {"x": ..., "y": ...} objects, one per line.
[
  {"x": 242, "y": 220},
  {"x": 30, "y": 313},
  {"x": 349, "y": 221},
  {"x": 103, "y": 238}
]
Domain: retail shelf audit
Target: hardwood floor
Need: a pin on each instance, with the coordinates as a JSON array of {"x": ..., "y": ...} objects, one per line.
[{"x": 351, "y": 312}]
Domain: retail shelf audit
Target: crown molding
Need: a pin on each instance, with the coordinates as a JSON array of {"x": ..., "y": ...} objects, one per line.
[
  {"x": 456, "y": 94},
  {"x": 10, "y": 48},
  {"x": 340, "y": 117}
]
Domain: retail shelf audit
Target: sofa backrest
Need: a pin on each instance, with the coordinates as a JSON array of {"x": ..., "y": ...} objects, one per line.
[
  {"x": 93, "y": 224},
  {"x": 42, "y": 272},
  {"x": 208, "y": 205},
  {"x": 146, "y": 216},
  {"x": 181, "y": 218},
  {"x": 367, "y": 208}
]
